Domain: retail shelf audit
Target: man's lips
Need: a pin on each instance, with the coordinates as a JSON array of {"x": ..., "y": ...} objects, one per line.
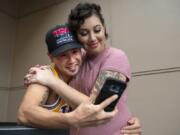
[{"x": 72, "y": 67}]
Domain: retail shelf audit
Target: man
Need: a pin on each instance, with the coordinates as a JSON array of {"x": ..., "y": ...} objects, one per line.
[
  {"x": 33, "y": 110},
  {"x": 64, "y": 51}
]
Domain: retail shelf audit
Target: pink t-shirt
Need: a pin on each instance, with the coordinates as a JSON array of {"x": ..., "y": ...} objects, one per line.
[{"x": 111, "y": 59}]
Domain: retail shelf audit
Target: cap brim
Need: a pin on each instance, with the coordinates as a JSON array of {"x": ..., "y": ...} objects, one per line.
[{"x": 66, "y": 47}]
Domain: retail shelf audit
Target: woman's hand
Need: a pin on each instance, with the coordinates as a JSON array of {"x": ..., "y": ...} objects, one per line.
[
  {"x": 39, "y": 74},
  {"x": 133, "y": 127}
]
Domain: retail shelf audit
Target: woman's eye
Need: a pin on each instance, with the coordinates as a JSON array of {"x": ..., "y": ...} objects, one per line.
[
  {"x": 83, "y": 33},
  {"x": 97, "y": 29}
]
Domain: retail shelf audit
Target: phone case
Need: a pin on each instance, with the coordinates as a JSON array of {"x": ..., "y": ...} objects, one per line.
[{"x": 111, "y": 86}]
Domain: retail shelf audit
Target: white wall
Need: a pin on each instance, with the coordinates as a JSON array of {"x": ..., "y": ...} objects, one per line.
[
  {"x": 148, "y": 31},
  {"x": 7, "y": 42},
  {"x": 155, "y": 98}
]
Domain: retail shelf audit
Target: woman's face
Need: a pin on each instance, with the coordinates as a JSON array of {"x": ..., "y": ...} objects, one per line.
[{"x": 92, "y": 35}]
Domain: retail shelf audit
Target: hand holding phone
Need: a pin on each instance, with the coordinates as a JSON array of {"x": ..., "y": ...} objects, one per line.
[{"x": 111, "y": 86}]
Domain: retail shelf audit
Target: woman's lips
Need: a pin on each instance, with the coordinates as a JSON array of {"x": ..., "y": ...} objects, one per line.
[{"x": 93, "y": 45}]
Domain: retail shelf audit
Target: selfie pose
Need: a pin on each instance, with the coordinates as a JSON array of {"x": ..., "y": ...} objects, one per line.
[
  {"x": 100, "y": 62},
  {"x": 41, "y": 107}
]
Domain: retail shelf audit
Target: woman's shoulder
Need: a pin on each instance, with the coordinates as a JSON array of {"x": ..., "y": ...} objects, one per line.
[
  {"x": 116, "y": 60},
  {"x": 112, "y": 51}
]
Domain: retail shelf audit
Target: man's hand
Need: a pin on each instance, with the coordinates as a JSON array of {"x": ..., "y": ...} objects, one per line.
[
  {"x": 88, "y": 114},
  {"x": 133, "y": 128}
]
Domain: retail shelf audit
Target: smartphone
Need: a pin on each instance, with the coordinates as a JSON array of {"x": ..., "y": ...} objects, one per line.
[{"x": 111, "y": 86}]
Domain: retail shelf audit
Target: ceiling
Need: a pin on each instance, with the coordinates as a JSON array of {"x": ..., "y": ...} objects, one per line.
[{"x": 20, "y": 8}]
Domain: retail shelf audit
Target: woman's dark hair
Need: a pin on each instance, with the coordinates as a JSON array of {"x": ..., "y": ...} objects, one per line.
[{"x": 81, "y": 12}]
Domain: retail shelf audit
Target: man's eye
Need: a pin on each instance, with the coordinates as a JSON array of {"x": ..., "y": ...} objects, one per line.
[
  {"x": 62, "y": 55},
  {"x": 75, "y": 51}
]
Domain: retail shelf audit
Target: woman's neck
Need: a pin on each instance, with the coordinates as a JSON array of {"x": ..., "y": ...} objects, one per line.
[{"x": 95, "y": 54}]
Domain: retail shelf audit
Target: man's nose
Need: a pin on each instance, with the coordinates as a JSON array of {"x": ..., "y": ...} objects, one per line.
[{"x": 71, "y": 58}]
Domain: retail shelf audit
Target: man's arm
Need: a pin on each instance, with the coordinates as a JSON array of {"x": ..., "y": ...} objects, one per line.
[{"x": 31, "y": 113}]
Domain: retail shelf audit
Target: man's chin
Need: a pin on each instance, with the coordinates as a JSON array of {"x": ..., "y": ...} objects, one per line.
[{"x": 72, "y": 73}]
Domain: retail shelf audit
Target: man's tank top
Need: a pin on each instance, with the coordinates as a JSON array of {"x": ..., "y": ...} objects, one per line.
[{"x": 59, "y": 105}]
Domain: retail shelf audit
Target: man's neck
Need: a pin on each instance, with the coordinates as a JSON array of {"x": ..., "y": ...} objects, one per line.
[{"x": 64, "y": 77}]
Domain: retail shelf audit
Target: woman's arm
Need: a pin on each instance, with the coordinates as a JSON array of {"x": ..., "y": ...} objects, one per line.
[
  {"x": 73, "y": 96},
  {"x": 133, "y": 127},
  {"x": 45, "y": 77},
  {"x": 104, "y": 75}
]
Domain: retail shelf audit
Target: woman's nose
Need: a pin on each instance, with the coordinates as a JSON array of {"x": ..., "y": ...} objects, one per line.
[{"x": 92, "y": 37}]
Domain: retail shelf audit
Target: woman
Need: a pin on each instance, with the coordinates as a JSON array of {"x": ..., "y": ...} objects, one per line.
[{"x": 101, "y": 61}]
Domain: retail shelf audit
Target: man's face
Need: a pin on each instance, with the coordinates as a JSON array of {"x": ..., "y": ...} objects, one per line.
[{"x": 68, "y": 62}]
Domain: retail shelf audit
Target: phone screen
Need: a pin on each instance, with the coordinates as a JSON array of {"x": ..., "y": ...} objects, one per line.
[{"x": 111, "y": 86}]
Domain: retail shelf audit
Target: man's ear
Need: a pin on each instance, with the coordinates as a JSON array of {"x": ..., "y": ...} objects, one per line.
[{"x": 50, "y": 57}]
